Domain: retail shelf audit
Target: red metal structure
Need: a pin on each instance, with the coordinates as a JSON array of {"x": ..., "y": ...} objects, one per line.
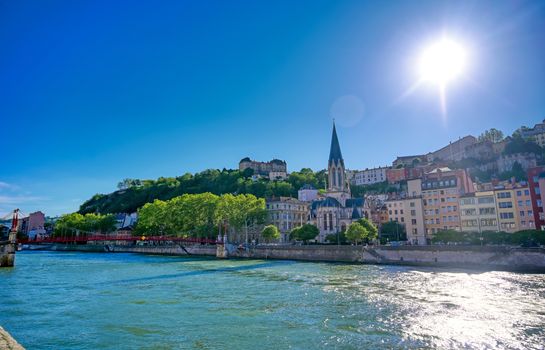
[{"x": 112, "y": 238}]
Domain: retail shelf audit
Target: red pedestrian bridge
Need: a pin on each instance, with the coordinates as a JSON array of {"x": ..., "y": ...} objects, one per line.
[{"x": 84, "y": 239}]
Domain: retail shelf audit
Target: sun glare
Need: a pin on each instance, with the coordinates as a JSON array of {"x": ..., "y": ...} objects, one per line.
[{"x": 442, "y": 62}]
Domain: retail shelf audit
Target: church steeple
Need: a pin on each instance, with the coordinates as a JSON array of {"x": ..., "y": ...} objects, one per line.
[
  {"x": 335, "y": 154},
  {"x": 335, "y": 166}
]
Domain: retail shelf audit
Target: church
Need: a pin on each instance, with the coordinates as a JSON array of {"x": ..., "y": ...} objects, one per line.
[{"x": 337, "y": 209}]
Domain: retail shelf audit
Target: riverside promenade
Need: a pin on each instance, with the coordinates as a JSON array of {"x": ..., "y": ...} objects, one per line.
[
  {"x": 508, "y": 258},
  {"x": 7, "y": 342}
]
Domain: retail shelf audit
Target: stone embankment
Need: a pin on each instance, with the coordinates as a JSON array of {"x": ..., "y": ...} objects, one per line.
[
  {"x": 7, "y": 342},
  {"x": 178, "y": 249},
  {"x": 494, "y": 258},
  {"x": 474, "y": 257}
]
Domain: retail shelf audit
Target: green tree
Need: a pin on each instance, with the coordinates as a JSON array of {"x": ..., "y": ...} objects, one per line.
[
  {"x": 520, "y": 145},
  {"x": 356, "y": 232},
  {"x": 304, "y": 233},
  {"x": 492, "y": 135},
  {"x": 449, "y": 236},
  {"x": 270, "y": 232},
  {"x": 393, "y": 231},
  {"x": 335, "y": 238},
  {"x": 372, "y": 230}
]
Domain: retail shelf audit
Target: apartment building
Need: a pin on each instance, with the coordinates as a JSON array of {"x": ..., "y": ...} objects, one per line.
[
  {"x": 525, "y": 208},
  {"x": 441, "y": 191},
  {"x": 369, "y": 176},
  {"x": 478, "y": 212},
  {"x": 507, "y": 210},
  {"x": 286, "y": 213}
]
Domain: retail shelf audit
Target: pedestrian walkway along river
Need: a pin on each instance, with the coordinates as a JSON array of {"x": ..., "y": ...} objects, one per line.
[{"x": 70, "y": 300}]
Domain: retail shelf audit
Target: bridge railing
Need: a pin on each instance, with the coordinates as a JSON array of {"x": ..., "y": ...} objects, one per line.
[{"x": 111, "y": 238}]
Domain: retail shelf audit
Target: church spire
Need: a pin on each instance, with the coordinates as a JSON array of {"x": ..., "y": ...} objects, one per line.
[{"x": 335, "y": 154}]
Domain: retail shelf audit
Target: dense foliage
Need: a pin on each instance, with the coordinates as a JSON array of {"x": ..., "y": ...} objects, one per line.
[
  {"x": 304, "y": 233},
  {"x": 133, "y": 194},
  {"x": 392, "y": 231},
  {"x": 525, "y": 237},
  {"x": 199, "y": 215},
  {"x": 270, "y": 232},
  {"x": 356, "y": 232},
  {"x": 69, "y": 224}
]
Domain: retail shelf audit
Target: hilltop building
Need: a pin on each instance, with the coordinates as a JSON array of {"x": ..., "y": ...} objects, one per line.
[
  {"x": 537, "y": 133},
  {"x": 337, "y": 209},
  {"x": 275, "y": 169}
]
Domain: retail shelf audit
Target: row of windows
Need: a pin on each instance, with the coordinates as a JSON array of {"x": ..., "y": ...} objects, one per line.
[
  {"x": 507, "y": 225},
  {"x": 530, "y": 223},
  {"x": 441, "y": 183},
  {"x": 504, "y": 205},
  {"x": 435, "y": 230},
  {"x": 482, "y": 211},
  {"x": 286, "y": 216},
  {"x": 526, "y": 193},
  {"x": 286, "y": 206},
  {"x": 440, "y": 192},
  {"x": 444, "y": 219},
  {"x": 436, "y": 201},
  {"x": 503, "y": 195},
  {"x": 507, "y": 215}
]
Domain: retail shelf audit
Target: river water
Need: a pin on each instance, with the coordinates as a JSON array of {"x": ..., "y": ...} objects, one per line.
[{"x": 54, "y": 300}]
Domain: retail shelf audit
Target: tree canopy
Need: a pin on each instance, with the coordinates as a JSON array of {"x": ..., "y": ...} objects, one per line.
[
  {"x": 304, "y": 233},
  {"x": 372, "y": 230},
  {"x": 393, "y": 231},
  {"x": 270, "y": 232},
  {"x": 199, "y": 215},
  {"x": 492, "y": 135},
  {"x": 69, "y": 224},
  {"x": 356, "y": 232}
]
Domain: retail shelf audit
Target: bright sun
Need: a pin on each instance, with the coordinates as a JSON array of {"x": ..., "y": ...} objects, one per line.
[{"x": 442, "y": 62}]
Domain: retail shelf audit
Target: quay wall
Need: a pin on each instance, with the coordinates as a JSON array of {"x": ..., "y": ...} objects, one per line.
[
  {"x": 496, "y": 258},
  {"x": 476, "y": 257},
  {"x": 159, "y": 250}
]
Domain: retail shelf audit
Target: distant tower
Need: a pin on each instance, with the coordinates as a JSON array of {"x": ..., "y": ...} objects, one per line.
[{"x": 337, "y": 184}]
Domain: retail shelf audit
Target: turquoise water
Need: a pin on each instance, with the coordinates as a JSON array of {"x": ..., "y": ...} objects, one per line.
[{"x": 54, "y": 300}]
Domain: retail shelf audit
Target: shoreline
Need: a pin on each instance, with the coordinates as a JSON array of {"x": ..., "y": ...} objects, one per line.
[{"x": 487, "y": 258}]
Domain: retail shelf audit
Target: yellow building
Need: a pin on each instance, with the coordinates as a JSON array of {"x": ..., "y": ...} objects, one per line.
[{"x": 507, "y": 211}]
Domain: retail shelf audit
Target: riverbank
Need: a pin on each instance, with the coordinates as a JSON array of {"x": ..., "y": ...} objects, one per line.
[
  {"x": 7, "y": 342},
  {"x": 472, "y": 257}
]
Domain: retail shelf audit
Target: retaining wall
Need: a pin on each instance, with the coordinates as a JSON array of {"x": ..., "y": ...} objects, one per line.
[{"x": 503, "y": 258}]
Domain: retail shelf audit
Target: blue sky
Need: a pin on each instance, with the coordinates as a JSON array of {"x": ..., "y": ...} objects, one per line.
[{"x": 95, "y": 91}]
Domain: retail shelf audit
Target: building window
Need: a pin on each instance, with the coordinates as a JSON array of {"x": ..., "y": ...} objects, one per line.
[
  {"x": 504, "y": 194},
  {"x": 506, "y": 216}
]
